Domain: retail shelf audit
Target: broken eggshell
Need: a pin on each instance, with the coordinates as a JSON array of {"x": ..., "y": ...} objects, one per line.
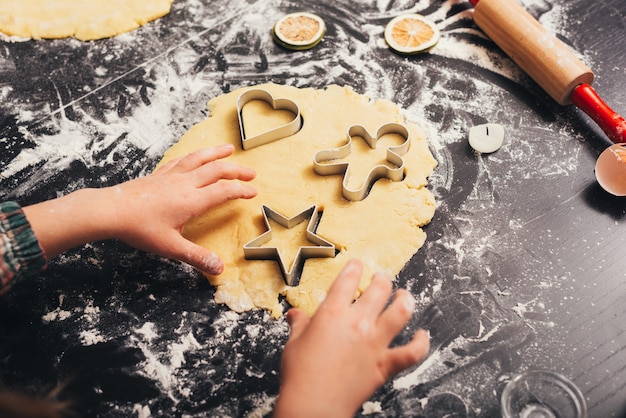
[{"x": 611, "y": 169}]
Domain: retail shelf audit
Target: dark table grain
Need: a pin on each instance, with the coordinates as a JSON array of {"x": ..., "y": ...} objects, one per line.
[{"x": 523, "y": 267}]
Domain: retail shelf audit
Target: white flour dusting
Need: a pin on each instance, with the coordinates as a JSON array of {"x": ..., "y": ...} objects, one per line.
[
  {"x": 371, "y": 408},
  {"x": 142, "y": 411},
  {"x": 90, "y": 337},
  {"x": 58, "y": 314},
  {"x": 178, "y": 92}
]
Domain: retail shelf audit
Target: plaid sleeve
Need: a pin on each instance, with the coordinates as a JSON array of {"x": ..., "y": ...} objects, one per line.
[{"x": 20, "y": 252}]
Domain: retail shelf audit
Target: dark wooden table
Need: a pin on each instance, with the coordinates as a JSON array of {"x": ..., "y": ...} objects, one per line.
[{"x": 524, "y": 264}]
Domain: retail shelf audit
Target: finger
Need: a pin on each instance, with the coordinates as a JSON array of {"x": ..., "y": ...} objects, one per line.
[
  {"x": 344, "y": 287},
  {"x": 298, "y": 321},
  {"x": 219, "y": 170},
  {"x": 375, "y": 297},
  {"x": 196, "y": 256},
  {"x": 218, "y": 193},
  {"x": 168, "y": 165},
  {"x": 405, "y": 356},
  {"x": 202, "y": 156},
  {"x": 395, "y": 317}
]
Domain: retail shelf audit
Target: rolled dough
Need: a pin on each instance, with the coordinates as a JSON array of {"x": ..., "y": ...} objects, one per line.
[
  {"x": 383, "y": 230},
  {"x": 83, "y": 19}
]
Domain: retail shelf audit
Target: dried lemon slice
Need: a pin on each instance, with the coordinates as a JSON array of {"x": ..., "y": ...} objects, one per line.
[
  {"x": 299, "y": 30},
  {"x": 411, "y": 33}
]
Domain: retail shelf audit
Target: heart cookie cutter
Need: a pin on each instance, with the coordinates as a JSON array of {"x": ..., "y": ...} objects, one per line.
[
  {"x": 325, "y": 162},
  {"x": 283, "y": 131},
  {"x": 254, "y": 249}
]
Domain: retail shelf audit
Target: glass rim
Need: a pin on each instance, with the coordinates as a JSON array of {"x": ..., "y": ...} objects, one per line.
[{"x": 563, "y": 382}]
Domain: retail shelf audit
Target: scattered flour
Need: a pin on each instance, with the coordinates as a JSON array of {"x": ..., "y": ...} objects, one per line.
[
  {"x": 57, "y": 314},
  {"x": 147, "y": 332},
  {"x": 90, "y": 337},
  {"x": 142, "y": 411},
  {"x": 150, "y": 129},
  {"x": 370, "y": 408}
]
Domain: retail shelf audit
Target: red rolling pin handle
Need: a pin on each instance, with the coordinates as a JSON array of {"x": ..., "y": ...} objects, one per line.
[
  {"x": 546, "y": 60},
  {"x": 613, "y": 125}
]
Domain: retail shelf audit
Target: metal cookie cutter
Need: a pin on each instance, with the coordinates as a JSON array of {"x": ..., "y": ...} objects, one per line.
[
  {"x": 254, "y": 250},
  {"x": 277, "y": 104},
  {"x": 327, "y": 162}
]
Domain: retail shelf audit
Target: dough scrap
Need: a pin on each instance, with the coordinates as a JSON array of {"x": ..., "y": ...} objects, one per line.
[
  {"x": 383, "y": 230},
  {"x": 82, "y": 19}
]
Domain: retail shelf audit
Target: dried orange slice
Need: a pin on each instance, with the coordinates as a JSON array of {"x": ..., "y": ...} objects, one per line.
[
  {"x": 411, "y": 34},
  {"x": 299, "y": 30}
]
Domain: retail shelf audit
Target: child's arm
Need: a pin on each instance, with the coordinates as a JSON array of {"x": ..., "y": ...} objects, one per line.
[
  {"x": 335, "y": 360},
  {"x": 148, "y": 213}
]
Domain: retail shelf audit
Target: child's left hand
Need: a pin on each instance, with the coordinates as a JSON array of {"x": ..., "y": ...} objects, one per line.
[{"x": 148, "y": 213}]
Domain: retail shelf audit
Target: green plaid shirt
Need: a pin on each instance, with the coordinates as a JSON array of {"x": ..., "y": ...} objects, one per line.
[{"x": 20, "y": 252}]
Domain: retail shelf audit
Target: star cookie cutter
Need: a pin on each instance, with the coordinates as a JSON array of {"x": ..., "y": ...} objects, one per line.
[
  {"x": 254, "y": 250},
  {"x": 282, "y": 131},
  {"x": 324, "y": 161}
]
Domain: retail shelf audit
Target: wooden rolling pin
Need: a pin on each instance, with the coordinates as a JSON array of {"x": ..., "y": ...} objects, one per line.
[{"x": 546, "y": 60}]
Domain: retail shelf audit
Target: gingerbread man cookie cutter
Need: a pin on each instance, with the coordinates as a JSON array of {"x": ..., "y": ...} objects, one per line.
[
  {"x": 280, "y": 132},
  {"x": 320, "y": 248},
  {"x": 327, "y": 162}
]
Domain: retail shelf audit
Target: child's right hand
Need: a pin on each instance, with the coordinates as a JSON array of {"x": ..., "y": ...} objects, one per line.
[{"x": 335, "y": 360}]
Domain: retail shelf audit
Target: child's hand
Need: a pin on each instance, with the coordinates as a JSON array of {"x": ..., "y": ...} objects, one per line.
[
  {"x": 334, "y": 361},
  {"x": 156, "y": 207},
  {"x": 148, "y": 213}
]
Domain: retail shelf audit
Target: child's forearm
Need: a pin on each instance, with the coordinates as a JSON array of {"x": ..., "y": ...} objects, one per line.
[{"x": 75, "y": 219}]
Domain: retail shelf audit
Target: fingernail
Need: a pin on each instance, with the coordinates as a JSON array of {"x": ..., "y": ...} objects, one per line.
[
  {"x": 425, "y": 332},
  {"x": 213, "y": 265},
  {"x": 352, "y": 265},
  {"x": 409, "y": 303}
]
